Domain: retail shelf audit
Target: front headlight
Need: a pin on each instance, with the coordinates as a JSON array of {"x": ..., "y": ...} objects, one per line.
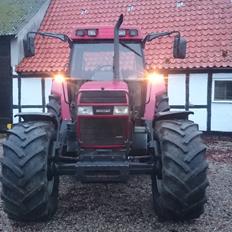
[
  {"x": 121, "y": 110},
  {"x": 85, "y": 110}
]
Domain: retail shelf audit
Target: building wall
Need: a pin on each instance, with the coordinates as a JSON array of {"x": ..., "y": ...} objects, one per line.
[
  {"x": 186, "y": 91},
  {"x": 198, "y": 83},
  {"x": 189, "y": 92},
  {"x": 195, "y": 92},
  {"x": 27, "y": 93},
  {"x": 30, "y": 94},
  {"x": 221, "y": 110}
]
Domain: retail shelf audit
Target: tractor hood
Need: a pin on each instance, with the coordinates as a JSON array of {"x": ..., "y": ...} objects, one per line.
[{"x": 104, "y": 85}]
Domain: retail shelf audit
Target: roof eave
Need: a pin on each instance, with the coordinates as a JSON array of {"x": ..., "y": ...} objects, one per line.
[{"x": 162, "y": 70}]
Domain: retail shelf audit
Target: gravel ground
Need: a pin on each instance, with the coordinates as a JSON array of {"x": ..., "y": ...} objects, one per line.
[{"x": 127, "y": 207}]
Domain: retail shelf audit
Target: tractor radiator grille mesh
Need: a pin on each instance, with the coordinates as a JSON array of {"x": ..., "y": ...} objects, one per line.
[
  {"x": 102, "y": 131},
  {"x": 103, "y": 97}
]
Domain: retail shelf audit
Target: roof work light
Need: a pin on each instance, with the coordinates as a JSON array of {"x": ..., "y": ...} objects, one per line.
[
  {"x": 92, "y": 32},
  {"x": 133, "y": 32}
]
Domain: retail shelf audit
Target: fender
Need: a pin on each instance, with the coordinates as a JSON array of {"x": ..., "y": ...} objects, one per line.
[
  {"x": 61, "y": 90},
  {"x": 155, "y": 87},
  {"x": 28, "y": 116},
  {"x": 172, "y": 115}
]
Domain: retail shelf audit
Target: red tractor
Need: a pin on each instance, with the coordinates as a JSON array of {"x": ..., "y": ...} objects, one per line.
[{"x": 106, "y": 120}]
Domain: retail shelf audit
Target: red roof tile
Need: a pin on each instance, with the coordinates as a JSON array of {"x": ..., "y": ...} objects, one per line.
[{"x": 206, "y": 24}]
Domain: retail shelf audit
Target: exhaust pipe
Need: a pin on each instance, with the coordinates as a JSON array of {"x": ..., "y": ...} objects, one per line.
[{"x": 116, "y": 48}]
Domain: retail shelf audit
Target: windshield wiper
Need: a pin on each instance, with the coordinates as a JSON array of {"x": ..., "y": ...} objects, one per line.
[{"x": 131, "y": 49}]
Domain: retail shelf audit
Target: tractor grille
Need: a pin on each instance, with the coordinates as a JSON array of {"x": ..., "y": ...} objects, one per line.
[
  {"x": 102, "y": 131},
  {"x": 103, "y": 97}
]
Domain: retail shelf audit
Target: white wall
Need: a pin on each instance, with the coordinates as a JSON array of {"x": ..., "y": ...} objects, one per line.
[
  {"x": 221, "y": 119},
  {"x": 176, "y": 89},
  {"x": 48, "y": 86},
  {"x": 221, "y": 115},
  {"x": 31, "y": 94},
  {"x": 31, "y": 91},
  {"x": 197, "y": 95},
  {"x": 15, "y": 119},
  {"x": 198, "y": 84},
  {"x": 198, "y": 88},
  {"x": 15, "y": 91},
  {"x": 199, "y": 117}
]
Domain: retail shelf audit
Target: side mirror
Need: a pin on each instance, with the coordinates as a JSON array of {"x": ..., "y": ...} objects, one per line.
[
  {"x": 179, "y": 47},
  {"x": 29, "y": 45}
]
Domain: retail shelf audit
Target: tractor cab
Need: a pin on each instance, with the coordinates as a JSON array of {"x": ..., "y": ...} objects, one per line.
[{"x": 93, "y": 52}]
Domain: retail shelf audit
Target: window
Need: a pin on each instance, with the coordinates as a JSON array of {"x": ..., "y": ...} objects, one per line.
[
  {"x": 223, "y": 90},
  {"x": 94, "y": 61}
]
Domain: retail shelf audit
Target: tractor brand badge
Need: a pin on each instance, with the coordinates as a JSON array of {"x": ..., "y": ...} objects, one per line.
[{"x": 103, "y": 111}]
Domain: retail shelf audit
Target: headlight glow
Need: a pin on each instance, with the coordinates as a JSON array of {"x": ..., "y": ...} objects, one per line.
[
  {"x": 85, "y": 110},
  {"x": 155, "y": 78},
  {"x": 121, "y": 110},
  {"x": 59, "y": 78}
]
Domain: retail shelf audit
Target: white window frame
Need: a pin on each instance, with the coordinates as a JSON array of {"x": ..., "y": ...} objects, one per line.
[{"x": 213, "y": 89}]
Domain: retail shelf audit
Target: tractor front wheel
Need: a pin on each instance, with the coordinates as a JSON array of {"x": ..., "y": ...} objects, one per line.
[
  {"x": 29, "y": 186},
  {"x": 179, "y": 192}
]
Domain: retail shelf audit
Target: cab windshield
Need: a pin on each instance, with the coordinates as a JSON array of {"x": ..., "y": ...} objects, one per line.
[{"x": 94, "y": 61}]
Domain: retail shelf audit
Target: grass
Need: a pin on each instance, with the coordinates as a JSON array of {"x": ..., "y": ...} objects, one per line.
[{"x": 14, "y": 12}]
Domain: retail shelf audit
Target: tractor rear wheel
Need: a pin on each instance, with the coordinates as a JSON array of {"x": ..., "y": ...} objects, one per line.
[
  {"x": 29, "y": 187},
  {"x": 54, "y": 107},
  {"x": 179, "y": 193},
  {"x": 162, "y": 103}
]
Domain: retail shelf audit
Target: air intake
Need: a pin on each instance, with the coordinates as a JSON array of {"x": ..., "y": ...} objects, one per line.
[{"x": 103, "y": 97}]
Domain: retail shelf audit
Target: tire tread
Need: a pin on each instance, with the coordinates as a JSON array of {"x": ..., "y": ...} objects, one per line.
[
  {"x": 185, "y": 167},
  {"x": 25, "y": 157}
]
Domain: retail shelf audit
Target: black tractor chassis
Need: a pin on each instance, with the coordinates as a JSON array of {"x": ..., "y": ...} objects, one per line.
[{"x": 95, "y": 167}]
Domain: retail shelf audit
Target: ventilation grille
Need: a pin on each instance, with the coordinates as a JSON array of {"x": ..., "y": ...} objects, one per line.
[{"x": 103, "y": 97}]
